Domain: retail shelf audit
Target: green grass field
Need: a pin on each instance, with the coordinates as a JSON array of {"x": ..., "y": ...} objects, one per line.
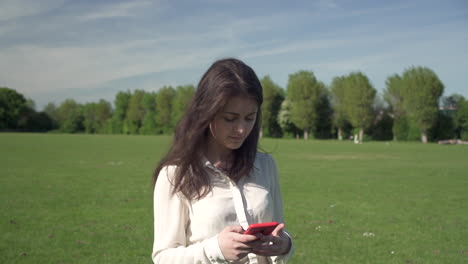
[{"x": 88, "y": 199}]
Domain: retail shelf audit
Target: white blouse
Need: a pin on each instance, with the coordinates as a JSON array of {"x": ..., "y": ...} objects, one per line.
[{"x": 186, "y": 231}]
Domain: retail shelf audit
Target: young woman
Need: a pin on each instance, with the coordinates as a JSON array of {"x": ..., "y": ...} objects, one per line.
[{"x": 213, "y": 183}]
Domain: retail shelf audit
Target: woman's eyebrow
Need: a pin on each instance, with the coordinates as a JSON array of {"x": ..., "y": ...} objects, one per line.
[{"x": 237, "y": 114}]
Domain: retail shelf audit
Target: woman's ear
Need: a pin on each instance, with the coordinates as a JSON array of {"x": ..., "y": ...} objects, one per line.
[{"x": 211, "y": 130}]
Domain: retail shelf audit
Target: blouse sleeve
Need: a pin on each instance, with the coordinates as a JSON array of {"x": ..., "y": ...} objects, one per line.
[
  {"x": 278, "y": 210},
  {"x": 171, "y": 218}
]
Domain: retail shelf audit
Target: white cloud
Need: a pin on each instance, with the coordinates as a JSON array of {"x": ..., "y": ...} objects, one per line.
[
  {"x": 327, "y": 4},
  {"x": 36, "y": 69},
  {"x": 194, "y": 41},
  {"x": 13, "y": 9},
  {"x": 124, "y": 9}
]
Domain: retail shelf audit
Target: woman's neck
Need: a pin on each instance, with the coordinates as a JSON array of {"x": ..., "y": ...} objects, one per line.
[{"x": 219, "y": 156}]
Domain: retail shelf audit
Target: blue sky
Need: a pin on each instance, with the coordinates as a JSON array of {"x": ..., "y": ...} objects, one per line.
[{"x": 87, "y": 50}]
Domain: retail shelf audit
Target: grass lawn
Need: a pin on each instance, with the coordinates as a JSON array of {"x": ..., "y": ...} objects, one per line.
[{"x": 88, "y": 199}]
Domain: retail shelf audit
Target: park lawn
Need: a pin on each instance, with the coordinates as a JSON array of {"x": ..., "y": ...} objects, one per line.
[{"x": 88, "y": 199}]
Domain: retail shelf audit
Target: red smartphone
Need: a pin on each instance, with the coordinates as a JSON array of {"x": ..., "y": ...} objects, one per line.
[{"x": 264, "y": 228}]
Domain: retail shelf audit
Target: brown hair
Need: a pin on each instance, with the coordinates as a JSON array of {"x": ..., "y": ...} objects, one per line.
[{"x": 224, "y": 79}]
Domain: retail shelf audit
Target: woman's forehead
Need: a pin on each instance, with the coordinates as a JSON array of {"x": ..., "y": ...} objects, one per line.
[{"x": 240, "y": 105}]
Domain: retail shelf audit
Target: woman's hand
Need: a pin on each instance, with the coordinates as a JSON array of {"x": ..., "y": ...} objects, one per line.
[
  {"x": 278, "y": 243},
  {"x": 234, "y": 244}
]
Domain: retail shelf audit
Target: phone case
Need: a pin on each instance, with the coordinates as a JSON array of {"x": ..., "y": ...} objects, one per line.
[{"x": 264, "y": 228}]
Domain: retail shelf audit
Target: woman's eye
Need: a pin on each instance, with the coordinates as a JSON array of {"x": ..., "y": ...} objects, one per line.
[
  {"x": 249, "y": 119},
  {"x": 227, "y": 119}
]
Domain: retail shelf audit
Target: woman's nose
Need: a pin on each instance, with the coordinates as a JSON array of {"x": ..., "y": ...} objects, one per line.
[{"x": 242, "y": 127}]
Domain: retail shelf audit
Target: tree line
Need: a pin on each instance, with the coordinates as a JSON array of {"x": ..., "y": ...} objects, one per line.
[{"x": 410, "y": 108}]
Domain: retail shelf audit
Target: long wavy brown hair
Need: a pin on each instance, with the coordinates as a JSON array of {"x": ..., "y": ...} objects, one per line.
[{"x": 224, "y": 79}]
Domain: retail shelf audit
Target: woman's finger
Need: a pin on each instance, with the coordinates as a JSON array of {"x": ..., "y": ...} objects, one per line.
[
  {"x": 245, "y": 238},
  {"x": 278, "y": 230}
]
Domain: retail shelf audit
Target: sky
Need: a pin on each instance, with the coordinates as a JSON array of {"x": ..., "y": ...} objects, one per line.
[{"x": 88, "y": 50}]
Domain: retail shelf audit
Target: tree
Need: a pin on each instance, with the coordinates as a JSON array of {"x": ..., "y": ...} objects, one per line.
[
  {"x": 103, "y": 115},
  {"x": 148, "y": 126},
  {"x": 324, "y": 124},
  {"x": 70, "y": 116},
  {"x": 96, "y": 116},
  {"x": 284, "y": 119},
  {"x": 381, "y": 128},
  {"x": 443, "y": 127},
  {"x": 31, "y": 120},
  {"x": 273, "y": 96},
  {"x": 12, "y": 106},
  {"x": 51, "y": 110},
  {"x": 89, "y": 116},
  {"x": 135, "y": 112},
  {"x": 122, "y": 99},
  {"x": 421, "y": 93},
  {"x": 393, "y": 96},
  {"x": 164, "y": 102},
  {"x": 304, "y": 92},
  {"x": 338, "y": 87},
  {"x": 461, "y": 119},
  {"x": 183, "y": 96},
  {"x": 358, "y": 101}
]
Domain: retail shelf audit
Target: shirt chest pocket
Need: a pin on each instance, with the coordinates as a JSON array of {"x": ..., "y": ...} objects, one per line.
[
  {"x": 259, "y": 203},
  {"x": 215, "y": 211}
]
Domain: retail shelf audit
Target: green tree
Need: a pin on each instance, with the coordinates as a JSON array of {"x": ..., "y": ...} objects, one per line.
[
  {"x": 324, "y": 124},
  {"x": 149, "y": 121},
  {"x": 359, "y": 98},
  {"x": 183, "y": 96},
  {"x": 421, "y": 93},
  {"x": 39, "y": 122},
  {"x": 393, "y": 96},
  {"x": 31, "y": 104},
  {"x": 449, "y": 108},
  {"x": 304, "y": 92},
  {"x": 164, "y": 101},
  {"x": 285, "y": 121},
  {"x": 381, "y": 128},
  {"x": 89, "y": 115},
  {"x": 70, "y": 116},
  {"x": 273, "y": 96},
  {"x": 96, "y": 116},
  {"x": 135, "y": 112},
  {"x": 443, "y": 127},
  {"x": 121, "y": 102},
  {"x": 103, "y": 115},
  {"x": 461, "y": 119},
  {"x": 51, "y": 110},
  {"x": 12, "y": 106},
  {"x": 452, "y": 102},
  {"x": 337, "y": 88}
]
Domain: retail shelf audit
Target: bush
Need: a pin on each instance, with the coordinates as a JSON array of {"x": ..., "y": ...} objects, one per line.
[
  {"x": 444, "y": 128},
  {"x": 414, "y": 133},
  {"x": 382, "y": 129},
  {"x": 400, "y": 128},
  {"x": 464, "y": 135}
]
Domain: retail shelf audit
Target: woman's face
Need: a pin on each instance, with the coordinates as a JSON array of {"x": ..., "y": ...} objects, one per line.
[{"x": 233, "y": 124}]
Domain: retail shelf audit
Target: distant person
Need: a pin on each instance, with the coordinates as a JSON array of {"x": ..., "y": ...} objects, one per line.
[
  {"x": 213, "y": 184},
  {"x": 356, "y": 139}
]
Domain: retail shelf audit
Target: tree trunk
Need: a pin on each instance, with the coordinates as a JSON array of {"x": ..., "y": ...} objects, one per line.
[
  {"x": 424, "y": 136},
  {"x": 361, "y": 134},
  {"x": 340, "y": 136},
  {"x": 261, "y": 132},
  {"x": 306, "y": 134}
]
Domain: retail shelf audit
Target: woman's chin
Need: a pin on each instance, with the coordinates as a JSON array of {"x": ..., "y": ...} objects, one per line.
[{"x": 234, "y": 145}]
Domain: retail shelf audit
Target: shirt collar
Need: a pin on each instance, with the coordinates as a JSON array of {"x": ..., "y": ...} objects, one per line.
[{"x": 208, "y": 164}]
